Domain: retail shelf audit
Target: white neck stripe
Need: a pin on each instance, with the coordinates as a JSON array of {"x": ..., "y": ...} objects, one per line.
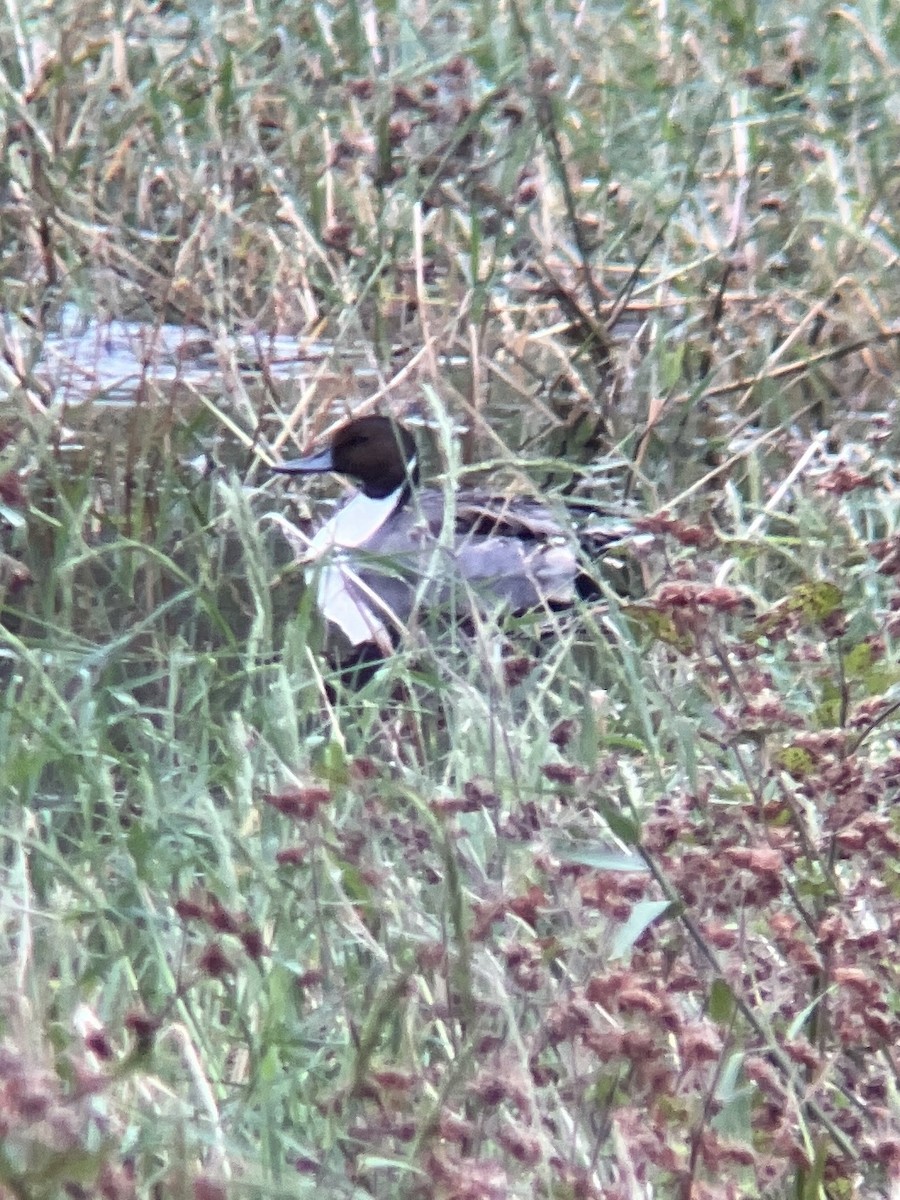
[{"x": 354, "y": 524}]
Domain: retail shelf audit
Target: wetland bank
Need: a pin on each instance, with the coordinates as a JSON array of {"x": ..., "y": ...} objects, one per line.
[{"x": 605, "y": 912}]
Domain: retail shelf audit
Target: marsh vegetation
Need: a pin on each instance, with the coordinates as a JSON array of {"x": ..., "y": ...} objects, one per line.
[{"x": 603, "y": 905}]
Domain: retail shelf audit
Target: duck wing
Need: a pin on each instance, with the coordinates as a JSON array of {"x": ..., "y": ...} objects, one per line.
[{"x": 483, "y": 515}]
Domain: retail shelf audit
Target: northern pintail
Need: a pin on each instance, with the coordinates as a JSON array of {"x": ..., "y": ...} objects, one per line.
[{"x": 393, "y": 547}]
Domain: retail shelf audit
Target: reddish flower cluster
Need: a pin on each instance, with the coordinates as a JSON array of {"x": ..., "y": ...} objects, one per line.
[
  {"x": 701, "y": 537},
  {"x": 300, "y": 804},
  {"x": 50, "y": 1128},
  {"x": 686, "y": 594},
  {"x": 843, "y": 479},
  {"x": 207, "y": 909}
]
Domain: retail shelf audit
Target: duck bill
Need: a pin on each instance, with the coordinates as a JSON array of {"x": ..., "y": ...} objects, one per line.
[{"x": 310, "y": 464}]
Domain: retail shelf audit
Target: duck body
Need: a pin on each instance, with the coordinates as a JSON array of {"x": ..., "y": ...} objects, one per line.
[{"x": 394, "y": 548}]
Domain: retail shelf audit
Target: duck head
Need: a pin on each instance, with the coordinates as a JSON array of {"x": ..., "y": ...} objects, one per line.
[{"x": 376, "y": 452}]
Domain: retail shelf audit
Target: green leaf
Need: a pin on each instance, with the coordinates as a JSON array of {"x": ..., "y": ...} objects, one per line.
[
  {"x": 798, "y": 763},
  {"x": 858, "y": 659},
  {"x": 880, "y": 679},
  {"x": 335, "y": 768},
  {"x": 734, "y": 1094},
  {"x": 602, "y": 858},
  {"x": 644, "y": 913},
  {"x": 270, "y": 1067},
  {"x": 658, "y": 625},
  {"x": 623, "y": 825},
  {"x": 721, "y": 1002},
  {"x": 798, "y": 1025},
  {"x": 812, "y": 1178},
  {"x": 816, "y": 601},
  {"x": 225, "y": 100},
  {"x": 828, "y": 713}
]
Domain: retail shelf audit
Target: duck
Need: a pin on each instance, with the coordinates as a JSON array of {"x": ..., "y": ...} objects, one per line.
[{"x": 395, "y": 547}]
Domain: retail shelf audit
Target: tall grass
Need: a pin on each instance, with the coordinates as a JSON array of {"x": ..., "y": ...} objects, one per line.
[{"x": 602, "y": 905}]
